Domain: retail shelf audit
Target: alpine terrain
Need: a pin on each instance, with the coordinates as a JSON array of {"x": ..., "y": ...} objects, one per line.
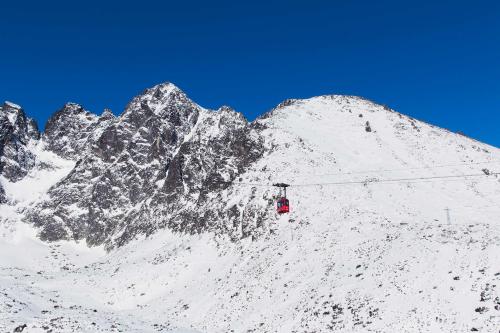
[{"x": 163, "y": 219}]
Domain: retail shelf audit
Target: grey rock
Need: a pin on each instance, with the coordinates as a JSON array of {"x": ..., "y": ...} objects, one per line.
[
  {"x": 16, "y": 132},
  {"x": 152, "y": 167},
  {"x": 67, "y": 131}
]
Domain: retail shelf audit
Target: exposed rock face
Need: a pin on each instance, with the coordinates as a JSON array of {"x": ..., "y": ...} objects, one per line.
[
  {"x": 221, "y": 146},
  {"x": 16, "y": 132},
  {"x": 67, "y": 131},
  {"x": 3, "y": 199},
  {"x": 152, "y": 167}
]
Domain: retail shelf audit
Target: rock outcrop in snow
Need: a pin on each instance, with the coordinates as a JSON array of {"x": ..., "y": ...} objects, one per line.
[
  {"x": 16, "y": 133},
  {"x": 68, "y": 130}
]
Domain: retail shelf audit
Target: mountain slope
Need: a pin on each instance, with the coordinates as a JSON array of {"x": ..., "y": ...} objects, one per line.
[{"x": 367, "y": 245}]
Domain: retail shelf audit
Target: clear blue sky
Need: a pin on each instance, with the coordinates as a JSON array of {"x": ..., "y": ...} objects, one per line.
[{"x": 438, "y": 61}]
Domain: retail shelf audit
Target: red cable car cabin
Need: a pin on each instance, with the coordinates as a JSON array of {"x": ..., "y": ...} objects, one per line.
[{"x": 283, "y": 206}]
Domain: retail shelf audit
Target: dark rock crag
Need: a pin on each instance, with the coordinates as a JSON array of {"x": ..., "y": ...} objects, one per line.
[
  {"x": 16, "y": 133},
  {"x": 163, "y": 163}
]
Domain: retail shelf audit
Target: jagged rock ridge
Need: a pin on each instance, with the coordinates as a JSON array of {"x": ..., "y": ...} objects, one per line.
[{"x": 154, "y": 166}]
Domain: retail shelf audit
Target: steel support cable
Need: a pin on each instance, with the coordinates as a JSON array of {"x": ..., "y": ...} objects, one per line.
[
  {"x": 402, "y": 169},
  {"x": 375, "y": 181}
]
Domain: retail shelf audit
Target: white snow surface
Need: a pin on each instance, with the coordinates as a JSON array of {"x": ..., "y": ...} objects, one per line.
[
  {"x": 13, "y": 105},
  {"x": 12, "y": 112},
  {"x": 49, "y": 169},
  {"x": 373, "y": 257}
]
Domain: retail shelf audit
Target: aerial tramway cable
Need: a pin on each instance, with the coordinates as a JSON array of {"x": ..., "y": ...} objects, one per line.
[
  {"x": 394, "y": 170},
  {"x": 402, "y": 169},
  {"x": 283, "y": 205},
  {"x": 376, "y": 181}
]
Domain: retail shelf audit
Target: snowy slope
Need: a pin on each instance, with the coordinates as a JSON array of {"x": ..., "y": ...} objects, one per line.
[{"x": 361, "y": 251}]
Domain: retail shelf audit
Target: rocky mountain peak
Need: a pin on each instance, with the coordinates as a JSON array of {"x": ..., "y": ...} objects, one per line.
[
  {"x": 229, "y": 111},
  {"x": 229, "y": 117},
  {"x": 165, "y": 88},
  {"x": 16, "y": 133},
  {"x": 72, "y": 107},
  {"x": 165, "y": 101},
  {"x": 21, "y": 124},
  {"x": 226, "y": 108},
  {"x": 107, "y": 114},
  {"x": 67, "y": 130},
  {"x": 11, "y": 111},
  {"x": 161, "y": 95}
]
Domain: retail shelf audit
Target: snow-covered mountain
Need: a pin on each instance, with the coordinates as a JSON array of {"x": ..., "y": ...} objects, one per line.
[{"x": 393, "y": 225}]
